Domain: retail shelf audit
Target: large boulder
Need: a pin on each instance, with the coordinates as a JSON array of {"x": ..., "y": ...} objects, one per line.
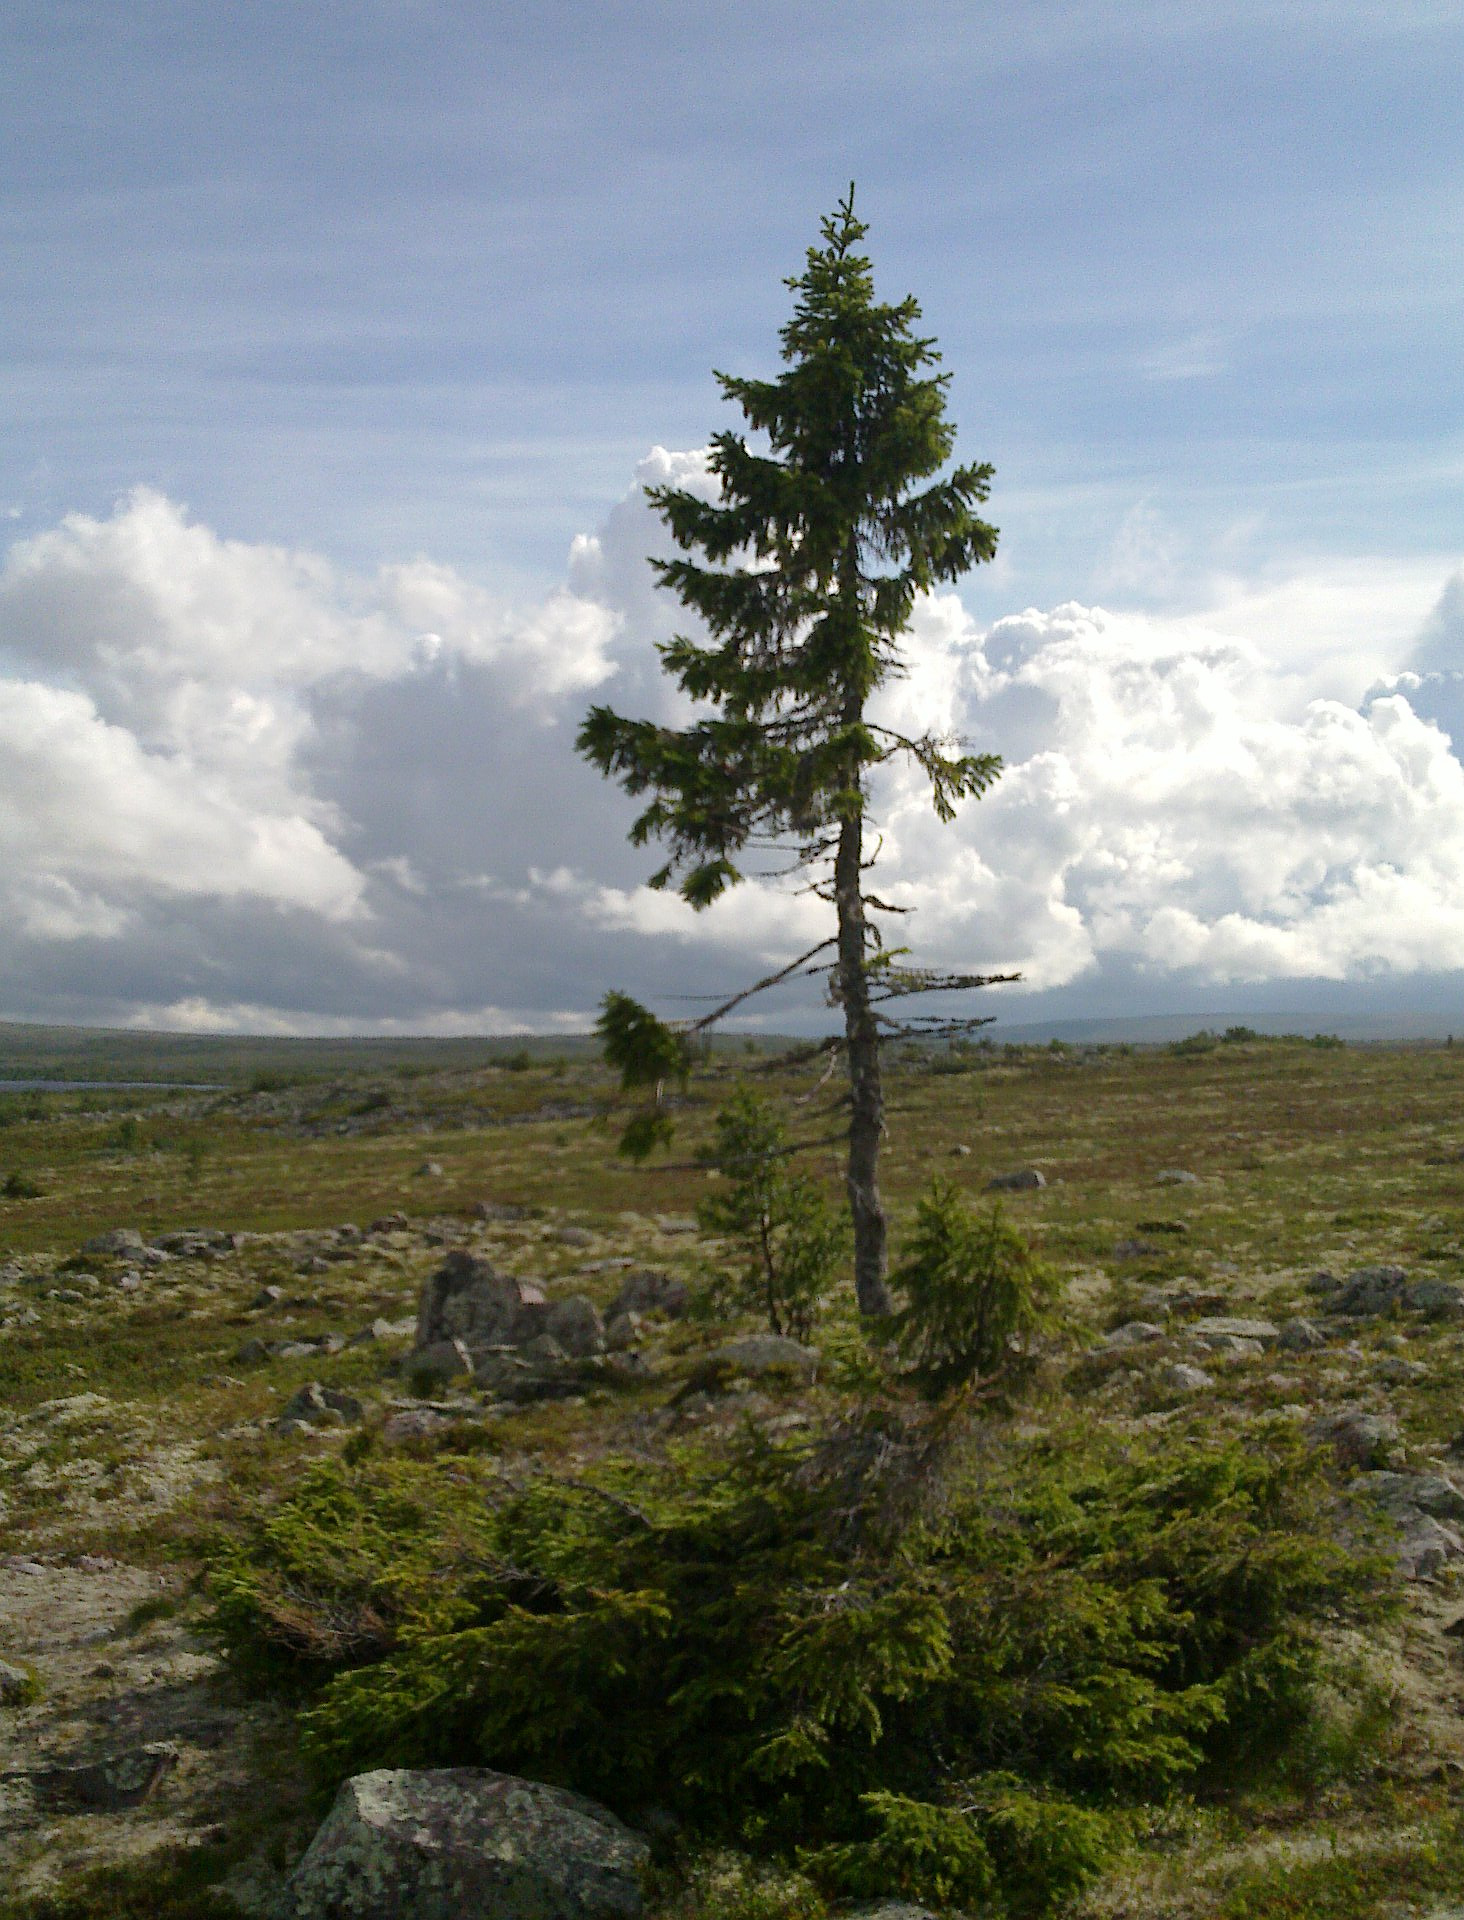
[
  {"x": 461, "y": 1842},
  {"x": 576, "y": 1326},
  {"x": 466, "y": 1299},
  {"x": 648, "y": 1290},
  {"x": 1368, "y": 1291}
]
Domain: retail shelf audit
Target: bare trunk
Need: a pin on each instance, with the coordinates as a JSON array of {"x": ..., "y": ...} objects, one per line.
[{"x": 866, "y": 1096}]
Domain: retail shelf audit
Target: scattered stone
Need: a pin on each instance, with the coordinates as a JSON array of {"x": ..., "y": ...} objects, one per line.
[
  {"x": 574, "y": 1236},
  {"x": 647, "y": 1290},
  {"x": 17, "y": 1687},
  {"x": 1226, "y": 1329},
  {"x": 762, "y": 1353},
  {"x": 107, "y": 1785},
  {"x": 498, "y": 1210},
  {"x": 120, "y": 1242},
  {"x": 269, "y": 1296},
  {"x": 1370, "y": 1290},
  {"x": 253, "y": 1353},
  {"x": 1181, "y": 1378},
  {"x": 959, "y": 1152},
  {"x": 622, "y": 1332},
  {"x": 414, "y": 1423},
  {"x": 316, "y": 1406},
  {"x": 1435, "y": 1299},
  {"x": 130, "y": 1281},
  {"x": 446, "y": 1843},
  {"x": 1358, "y": 1438},
  {"x": 1023, "y": 1180},
  {"x": 1134, "y": 1249},
  {"x": 675, "y": 1223},
  {"x": 1135, "y": 1333},
  {"x": 1400, "y": 1372},
  {"x": 1301, "y": 1336},
  {"x": 391, "y": 1222},
  {"x": 313, "y": 1263},
  {"x": 575, "y": 1323},
  {"x": 430, "y": 1170},
  {"x": 1323, "y": 1282},
  {"x": 1176, "y": 1177}
]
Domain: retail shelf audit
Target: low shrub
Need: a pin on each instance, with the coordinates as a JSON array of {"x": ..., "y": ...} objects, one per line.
[{"x": 881, "y": 1652}]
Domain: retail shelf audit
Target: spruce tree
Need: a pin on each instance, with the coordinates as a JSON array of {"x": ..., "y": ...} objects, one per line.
[{"x": 804, "y": 572}]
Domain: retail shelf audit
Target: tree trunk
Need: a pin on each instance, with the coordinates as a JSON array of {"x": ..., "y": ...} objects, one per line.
[{"x": 866, "y": 1096}]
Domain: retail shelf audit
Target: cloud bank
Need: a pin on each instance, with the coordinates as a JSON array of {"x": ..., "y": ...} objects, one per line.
[{"x": 240, "y": 788}]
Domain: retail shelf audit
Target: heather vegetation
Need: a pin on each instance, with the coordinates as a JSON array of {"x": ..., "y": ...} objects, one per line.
[{"x": 1111, "y": 1577}]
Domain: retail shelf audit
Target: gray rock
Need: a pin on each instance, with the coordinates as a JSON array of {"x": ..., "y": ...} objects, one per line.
[
  {"x": 1134, "y": 1333},
  {"x": 544, "y": 1351},
  {"x": 574, "y": 1236},
  {"x": 438, "y": 1362},
  {"x": 1185, "y": 1379},
  {"x": 1427, "y": 1547},
  {"x": 575, "y": 1323},
  {"x": 463, "y": 1843},
  {"x": 1022, "y": 1180},
  {"x": 763, "y": 1353},
  {"x": 891, "y": 1910},
  {"x": 1324, "y": 1283},
  {"x": 16, "y": 1685},
  {"x": 1358, "y": 1438},
  {"x": 268, "y": 1296},
  {"x": 1133, "y": 1249},
  {"x": 467, "y": 1299},
  {"x": 1176, "y": 1177},
  {"x": 1403, "y": 1493},
  {"x": 1400, "y": 1372},
  {"x": 115, "y": 1781},
  {"x": 675, "y": 1223},
  {"x": 1301, "y": 1336},
  {"x": 497, "y": 1210},
  {"x": 1435, "y": 1299},
  {"x": 1370, "y": 1290},
  {"x": 1225, "y": 1328},
  {"x": 647, "y": 1290},
  {"x": 316, "y": 1406},
  {"x": 430, "y": 1170},
  {"x": 622, "y": 1331},
  {"x": 414, "y": 1423},
  {"x": 959, "y": 1152},
  {"x": 123, "y": 1243}
]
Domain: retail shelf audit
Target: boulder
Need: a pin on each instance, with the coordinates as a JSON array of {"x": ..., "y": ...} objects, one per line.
[
  {"x": 647, "y": 1290},
  {"x": 466, "y": 1299},
  {"x": 17, "y": 1687},
  {"x": 121, "y": 1243},
  {"x": 1222, "y": 1329},
  {"x": 762, "y": 1353},
  {"x": 1301, "y": 1336},
  {"x": 1185, "y": 1379},
  {"x": 1403, "y": 1494},
  {"x": 1427, "y": 1547},
  {"x": 622, "y": 1331},
  {"x": 1134, "y": 1333},
  {"x": 1368, "y": 1291},
  {"x": 455, "y": 1842},
  {"x": 575, "y": 1323},
  {"x": 1022, "y": 1180},
  {"x": 1358, "y": 1438},
  {"x": 1435, "y": 1299},
  {"x": 117, "y": 1780},
  {"x": 574, "y": 1236}
]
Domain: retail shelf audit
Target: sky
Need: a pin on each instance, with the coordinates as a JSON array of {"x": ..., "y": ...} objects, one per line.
[{"x": 338, "y": 340}]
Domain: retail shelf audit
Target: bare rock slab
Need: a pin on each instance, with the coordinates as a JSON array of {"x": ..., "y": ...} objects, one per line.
[{"x": 453, "y": 1842}]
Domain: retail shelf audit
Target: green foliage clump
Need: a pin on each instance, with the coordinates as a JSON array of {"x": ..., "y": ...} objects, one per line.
[
  {"x": 789, "y": 1241},
  {"x": 20, "y": 1186},
  {"x": 868, "y": 1653},
  {"x": 973, "y": 1290}
]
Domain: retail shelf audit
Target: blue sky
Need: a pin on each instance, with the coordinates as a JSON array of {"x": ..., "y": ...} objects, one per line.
[{"x": 394, "y": 283}]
